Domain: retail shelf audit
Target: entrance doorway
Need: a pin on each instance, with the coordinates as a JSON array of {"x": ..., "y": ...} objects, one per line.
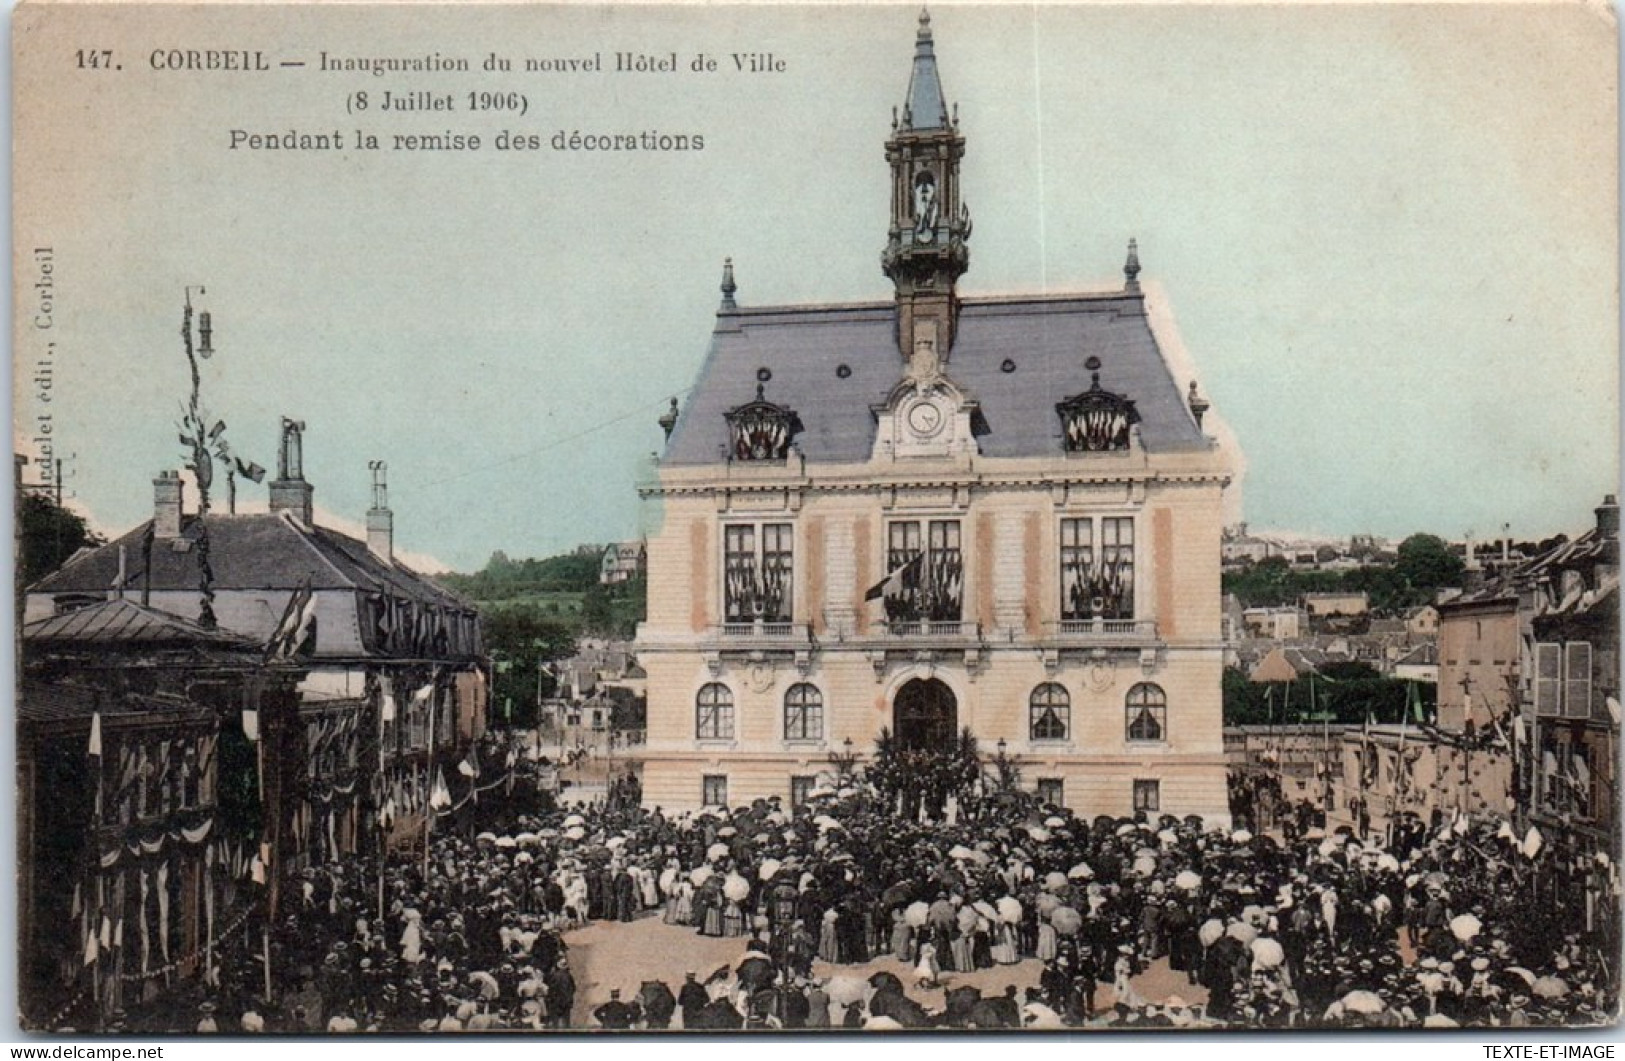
[{"x": 925, "y": 715}]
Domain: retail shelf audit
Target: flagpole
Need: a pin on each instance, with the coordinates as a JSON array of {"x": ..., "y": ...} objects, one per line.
[{"x": 428, "y": 806}]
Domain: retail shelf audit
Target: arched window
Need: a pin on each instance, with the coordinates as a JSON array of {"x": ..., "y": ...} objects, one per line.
[
  {"x": 1049, "y": 713},
  {"x": 803, "y": 713},
  {"x": 714, "y": 713},
  {"x": 1147, "y": 712}
]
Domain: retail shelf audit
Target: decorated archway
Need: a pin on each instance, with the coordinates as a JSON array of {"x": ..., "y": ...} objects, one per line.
[{"x": 925, "y": 715}]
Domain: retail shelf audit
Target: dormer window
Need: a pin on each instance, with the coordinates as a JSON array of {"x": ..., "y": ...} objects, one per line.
[
  {"x": 1096, "y": 421},
  {"x": 760, "y": 430}
]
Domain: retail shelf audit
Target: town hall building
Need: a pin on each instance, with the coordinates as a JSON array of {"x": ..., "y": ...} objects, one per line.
[{"x": 937, "y": 513}]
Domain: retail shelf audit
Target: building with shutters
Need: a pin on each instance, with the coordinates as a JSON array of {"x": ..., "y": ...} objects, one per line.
[{"x": 932, "y": 513}]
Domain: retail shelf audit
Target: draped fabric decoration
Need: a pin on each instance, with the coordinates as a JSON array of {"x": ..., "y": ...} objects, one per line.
[
  {"x": 1096, "y": 420},
  {"x": 208, "y": 916},
  {"x": 163, "y": 910},
  {"x": 146, "y": 935}
]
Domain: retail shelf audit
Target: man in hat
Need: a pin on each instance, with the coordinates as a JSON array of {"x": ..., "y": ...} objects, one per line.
[
  {"x": 561, "y": 994},
  {"x": 691, "y": 998}
]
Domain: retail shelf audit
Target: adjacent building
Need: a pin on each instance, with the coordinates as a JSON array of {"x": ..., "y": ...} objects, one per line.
[{"x": 933, "y": 513}]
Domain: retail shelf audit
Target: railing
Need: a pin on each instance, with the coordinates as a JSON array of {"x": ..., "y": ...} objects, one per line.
[
  {"x": 775, "y": 631},
  {"x": 1118, "y": 629},
  {"x": 932, "y": 628}
]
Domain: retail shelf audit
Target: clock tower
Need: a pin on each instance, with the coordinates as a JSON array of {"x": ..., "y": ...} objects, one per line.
[{"x": 925, "y": 250}]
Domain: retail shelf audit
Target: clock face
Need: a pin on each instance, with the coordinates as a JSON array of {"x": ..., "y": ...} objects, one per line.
[{"x": 924, "y": 419}]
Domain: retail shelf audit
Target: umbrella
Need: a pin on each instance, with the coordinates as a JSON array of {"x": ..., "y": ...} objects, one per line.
[
  {"x": 506, "y": 842},
  {"x": 1550, "y": 987},
  {"x": 615, "y": 843},
  {"x": 1267, "y": 954},
  {"x": 1438, "y": 1020},
  {"x": 574, "y": 819},
  {"x": 1241, "y": 836},
  {"x": 575, "y": 832},
  {"x": 1211, "y": 932},
  {"x": 527, "y": 839},
  {"x": 916, "y": 914},
  {"x": 1039, "y": 1016},
  {"x": 1009, "y": 910},
  {"x": 1523, "y": 974},
  {"x": 942, "y": 913},
  {"x": 1388, "y": 862},
  {"x": 488, "y": 838},
  {"x": 727, "y": 830},
  {"x": 1079, "y": 872},
  {"x": 1167, "y": 837},
  {"x": 1055, "y": 881},
  {"x": 846, "y": 990},
  {"x": 1242, "y": 932},
  {"x": 1188, "y": 880},
  {"x": 736, "y": 888},
  {"x": 716, "y": 851},
  {"x": 668, "y": 880},
  {"x": 1367, "y": 1002},
  {"x": 1038, "y": 833},
  {"x": 959, "y": 852},
  {"x": 489, "y": 988},
  {"x": 1047, "y": 904},
  {"x": 701, "y": 875},
  {"x": 967, "y": 918},
  {"x": 768, "y": 867},
  {"x": 1126, "y": 830},
  {"x": 1054, "y": 821},
  {"x": 986, "y": 909},
  {"x": 1145, "y": 865},
  {"x": 755, "y": 973},
  {"x": 1066, "y": 920},
  {"x": 1465, "y": 926}
]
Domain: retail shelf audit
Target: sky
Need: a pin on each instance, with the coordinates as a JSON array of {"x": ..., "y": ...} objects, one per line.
[{"x": 1387, "y": 236}]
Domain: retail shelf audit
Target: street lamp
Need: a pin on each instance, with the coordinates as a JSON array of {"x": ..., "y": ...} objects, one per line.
[{"x": 845, "y": 760}]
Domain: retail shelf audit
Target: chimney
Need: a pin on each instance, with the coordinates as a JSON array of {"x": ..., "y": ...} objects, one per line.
[
  {"x": 380, "y": 520},
  {"x": 167, "y": 494},
  {"x": 289, "y": 491},
  {"x": 1608, "y": 518}
]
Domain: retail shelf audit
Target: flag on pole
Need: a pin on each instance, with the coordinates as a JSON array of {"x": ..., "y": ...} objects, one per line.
[
  {"x": 296, "y": 632},
  {"x": 440, "y": 797},
  {"x": 899, "y": 581},
  {"x": 387, "y": 694},
  {"x": 96, "y": 734}
]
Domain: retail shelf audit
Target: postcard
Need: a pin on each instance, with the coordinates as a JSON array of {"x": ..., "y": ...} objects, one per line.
[{"x": 812, "y": 518}]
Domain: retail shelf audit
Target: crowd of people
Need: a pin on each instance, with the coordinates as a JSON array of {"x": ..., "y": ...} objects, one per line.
[{"x": 1434, "y": 925}]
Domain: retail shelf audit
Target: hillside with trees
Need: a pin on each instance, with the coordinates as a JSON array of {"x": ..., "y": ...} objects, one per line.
[{"x": 1425, "y": 564}]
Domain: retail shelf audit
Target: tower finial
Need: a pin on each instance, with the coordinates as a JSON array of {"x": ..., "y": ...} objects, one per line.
[
  {"x": 925, "y": 24},
  {"x": 1131, "y": 267},
  {"x": 728, "y": 286},
  {"x": 668, "y": 419}
]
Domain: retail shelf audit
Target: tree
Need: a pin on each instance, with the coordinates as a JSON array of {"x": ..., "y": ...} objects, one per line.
[
  {"x": 521, "y": 639},
  {"x": 1426, "y": 562},
  {"x": 50, "y": 536}
]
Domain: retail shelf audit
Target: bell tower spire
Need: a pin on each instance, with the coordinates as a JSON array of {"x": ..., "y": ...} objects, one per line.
[{"x": 925, "y": 248}]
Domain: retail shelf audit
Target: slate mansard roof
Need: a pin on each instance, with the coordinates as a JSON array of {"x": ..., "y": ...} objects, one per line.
[{"x": 1047, "y": 340}]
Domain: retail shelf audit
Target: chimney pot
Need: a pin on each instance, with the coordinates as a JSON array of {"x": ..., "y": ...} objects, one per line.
[
  {"x": 168, "y": 494},
  {"x": 1608, "y": 517},
  {"x": 380, "y": 519}
]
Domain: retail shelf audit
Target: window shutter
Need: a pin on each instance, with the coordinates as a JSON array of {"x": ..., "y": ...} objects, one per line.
[
  {"x": 1548, "y": 679},
  {"x": 1577, "y": 679}
]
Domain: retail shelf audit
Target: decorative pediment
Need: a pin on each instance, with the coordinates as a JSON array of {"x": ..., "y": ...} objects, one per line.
[
  {"x": 760, "y": 429},
  {"x": 926, "y": 419},
  {"x": 1097, "y": 420}
]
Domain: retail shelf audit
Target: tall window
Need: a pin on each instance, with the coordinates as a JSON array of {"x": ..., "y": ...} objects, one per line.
[
  {"x": 803, "y": 713},
  {"x": 1097, "y": 568},
  {"x": 1577, "y": 679},
  {"x": 925, "y": 571},
  {"x": 757, "y": 565},
  {"x": 801, "y": 786},
  {"x": 1148, "y": 796},
  {"x": 1052, "y": 790},
  {"x": 1049, "y": 713},
  {"x": 714, "y": 713},
  {"x": 1147, "y": 712},
  {"x": 714, "y": 790}
]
